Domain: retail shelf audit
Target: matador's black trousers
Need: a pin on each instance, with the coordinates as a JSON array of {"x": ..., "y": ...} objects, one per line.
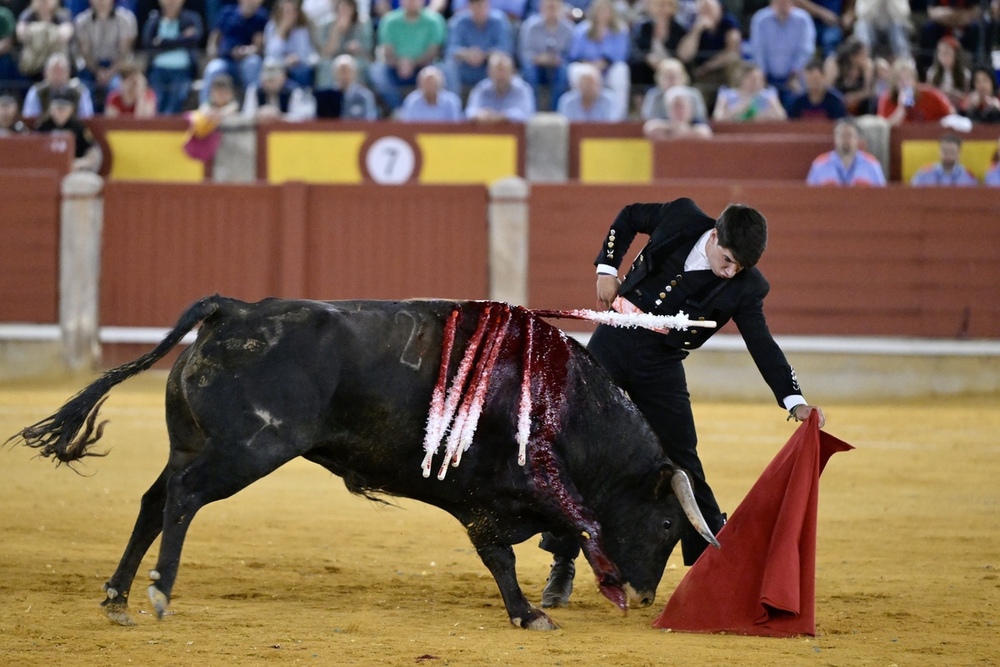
[{"x": 644, "y": 365}]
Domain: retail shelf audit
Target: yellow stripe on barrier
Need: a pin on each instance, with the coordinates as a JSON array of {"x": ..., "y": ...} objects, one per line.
[
  {"x": 152, "y": 156},
  {"x": 466, "y": 158},
  {"x": 314, "y": 157},
  {"x": 616, "y": 161}
]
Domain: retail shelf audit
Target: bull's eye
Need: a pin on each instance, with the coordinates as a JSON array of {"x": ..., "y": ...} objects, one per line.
[{"x": 667, "y": 523}]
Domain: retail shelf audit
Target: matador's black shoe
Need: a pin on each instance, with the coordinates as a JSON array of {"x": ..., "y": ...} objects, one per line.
[{"x": 560, "y": 586}]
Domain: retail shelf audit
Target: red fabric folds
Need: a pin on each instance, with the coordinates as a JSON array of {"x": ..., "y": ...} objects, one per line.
[{"x": 762, "y": 581}]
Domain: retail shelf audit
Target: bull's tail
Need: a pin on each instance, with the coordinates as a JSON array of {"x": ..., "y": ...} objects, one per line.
[{"x": 67, "y": 435}]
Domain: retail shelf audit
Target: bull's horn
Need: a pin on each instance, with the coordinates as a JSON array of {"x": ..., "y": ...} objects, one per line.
[{"x": 681, "y": 485}]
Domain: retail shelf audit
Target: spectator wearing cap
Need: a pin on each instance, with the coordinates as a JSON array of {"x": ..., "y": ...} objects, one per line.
[
  {"x": 105, "y": 40},
  {"x": 818, "y": 100},
  {"x": 846, "y": 164},
  {"x": 10, "y": 115},
  {"x": 949, "y": 171},
  {"x": 588, "y": 100},
  {"x": 236, "y": 44},
  {"x": 431, "y": 101},
  {"x": 171, "y": 37},
  {"x": 60, "y": 118},
  {"x": 57, "y": 79}
]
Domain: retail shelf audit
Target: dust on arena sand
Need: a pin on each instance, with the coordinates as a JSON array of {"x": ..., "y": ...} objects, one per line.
[{"x": 294, "y": 570}]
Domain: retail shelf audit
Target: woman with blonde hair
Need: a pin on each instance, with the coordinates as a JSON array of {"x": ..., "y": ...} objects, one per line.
[{"x": 602, "y": 40}]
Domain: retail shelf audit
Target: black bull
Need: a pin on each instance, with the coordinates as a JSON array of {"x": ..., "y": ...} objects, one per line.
[{"x": 362, "y": 388}]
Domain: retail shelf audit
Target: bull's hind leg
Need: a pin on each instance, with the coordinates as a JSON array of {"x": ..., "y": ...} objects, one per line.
[
  {"x": 222, "y": 469},
  {"x": 147, "y": 526},
  {"x": 500, "y": 560}
]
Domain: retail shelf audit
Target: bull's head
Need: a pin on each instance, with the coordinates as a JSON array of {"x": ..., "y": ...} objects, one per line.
[{"x": 641, "y": 537}]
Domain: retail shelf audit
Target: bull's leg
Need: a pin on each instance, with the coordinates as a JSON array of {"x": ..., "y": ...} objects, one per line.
[
  {"x": 500, "y": 560},
  {"x": 220, "y": 471},
  {"x": 147, "y": 526}
]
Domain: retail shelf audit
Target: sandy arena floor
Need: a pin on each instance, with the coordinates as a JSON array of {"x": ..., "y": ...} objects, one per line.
[{"x": 294, "y": 570}]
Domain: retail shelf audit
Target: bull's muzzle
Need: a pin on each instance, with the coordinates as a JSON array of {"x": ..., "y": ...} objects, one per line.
[{"x": 638, "y": 599}]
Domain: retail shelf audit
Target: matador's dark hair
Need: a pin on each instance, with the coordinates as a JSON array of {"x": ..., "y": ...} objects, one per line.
[{"x": 742, "y": 230}]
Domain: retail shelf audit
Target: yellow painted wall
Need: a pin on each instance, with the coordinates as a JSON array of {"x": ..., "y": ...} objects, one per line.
[
  {"x": 466, "y": 158},
  {"x": 314, "y": 157},
  {"x": 616, "y": 161},
  {"x": 976, "y": 155},
  {"x": 140, "y": 155}
]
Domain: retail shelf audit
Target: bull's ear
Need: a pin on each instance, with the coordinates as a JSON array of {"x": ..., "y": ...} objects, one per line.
[{"x": 663, "y": 476}]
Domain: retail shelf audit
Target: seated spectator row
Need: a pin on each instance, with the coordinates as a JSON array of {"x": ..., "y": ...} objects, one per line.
[{"x": 741, "y": 61}]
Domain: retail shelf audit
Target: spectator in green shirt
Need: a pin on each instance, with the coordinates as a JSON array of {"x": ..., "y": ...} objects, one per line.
[{"x": 410, "y": 38}]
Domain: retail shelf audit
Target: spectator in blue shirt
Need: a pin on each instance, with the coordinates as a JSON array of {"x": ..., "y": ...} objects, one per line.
[
  {"x": 819, "y": 100},
  {"x": 431, "y": 101},
  {"x": 474, "y": 34},
  {"x": 588, "y": 101},
  {"x": 846, "y": 164},
  {"x": 603, "y": 41},
  {"x": 782, "y": 41},
  {"x": 543, "y": 50},
  {"x": 949, "y": 171},
  {"x": 236, "y": 45},
  {"x": 501, "y": 96}
]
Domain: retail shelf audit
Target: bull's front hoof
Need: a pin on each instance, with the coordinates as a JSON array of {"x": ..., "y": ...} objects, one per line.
[
  {"x": 159, "y": 600},
  {"x": 117, "y": 612},
  {"x": 536, "y": 620}
]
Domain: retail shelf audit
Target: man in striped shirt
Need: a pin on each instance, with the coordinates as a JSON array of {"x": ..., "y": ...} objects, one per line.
[{"x": 846, "y": 164}]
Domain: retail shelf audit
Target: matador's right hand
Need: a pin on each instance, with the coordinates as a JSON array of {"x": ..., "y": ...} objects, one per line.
[{"x": 607, "y": 290}]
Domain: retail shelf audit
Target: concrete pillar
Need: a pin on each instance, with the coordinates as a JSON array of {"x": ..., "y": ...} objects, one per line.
[
  {"x": 876, "y": 133},
  {"x": 547, "y": 150},
  {"x": 236, "y": 160},
  {"x": 508, "y": 240},
  {"x": 81, "y": 221}
]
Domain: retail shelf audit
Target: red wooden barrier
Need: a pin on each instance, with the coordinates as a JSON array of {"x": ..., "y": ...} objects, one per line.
[
  {"x": 893, "y": 262},
  {"x": 29, "y": 253},
  {"x": 739, "y": 156}
]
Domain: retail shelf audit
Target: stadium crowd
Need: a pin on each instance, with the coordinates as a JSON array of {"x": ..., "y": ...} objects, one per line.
[{"x": 675, "y": 64}]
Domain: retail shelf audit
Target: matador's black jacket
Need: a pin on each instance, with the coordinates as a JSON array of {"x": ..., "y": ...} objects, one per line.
[{"x": 658, "y": 284}]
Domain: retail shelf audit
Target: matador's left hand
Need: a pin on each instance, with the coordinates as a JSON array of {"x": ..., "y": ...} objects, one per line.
[{"x": 802, "y": 412}]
